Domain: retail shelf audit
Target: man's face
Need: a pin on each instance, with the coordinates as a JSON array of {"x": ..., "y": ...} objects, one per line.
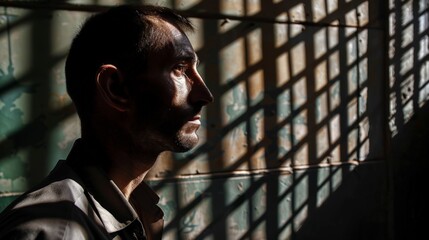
[{"x": 170, "y": 96}]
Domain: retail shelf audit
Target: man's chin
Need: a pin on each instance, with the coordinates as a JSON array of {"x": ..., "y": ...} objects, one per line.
[{"x": 186, "y": 142}]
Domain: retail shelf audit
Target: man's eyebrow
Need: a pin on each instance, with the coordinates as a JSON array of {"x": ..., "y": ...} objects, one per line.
[{"x": 189, "y": 58}]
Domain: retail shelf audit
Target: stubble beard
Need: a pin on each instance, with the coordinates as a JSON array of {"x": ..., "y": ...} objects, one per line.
[
  {"x": 186, "y": 138},
  {"x": 181, "y": 140}
]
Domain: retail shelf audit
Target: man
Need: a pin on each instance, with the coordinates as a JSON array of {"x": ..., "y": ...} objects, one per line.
[{"x": 132, "y": 75}]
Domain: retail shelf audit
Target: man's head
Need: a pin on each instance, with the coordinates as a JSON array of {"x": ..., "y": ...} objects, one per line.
[{"x": 135, "y": 68}]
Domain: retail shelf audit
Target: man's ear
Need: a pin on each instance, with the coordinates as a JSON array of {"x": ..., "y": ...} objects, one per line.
[{"x": 110, "y": 85}]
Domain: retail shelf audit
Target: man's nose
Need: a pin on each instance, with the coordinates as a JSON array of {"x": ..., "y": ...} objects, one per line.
[{"x": 200, "y": 93}]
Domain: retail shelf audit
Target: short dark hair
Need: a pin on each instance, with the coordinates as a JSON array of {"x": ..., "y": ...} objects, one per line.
[{"x": 123, "y": 36}]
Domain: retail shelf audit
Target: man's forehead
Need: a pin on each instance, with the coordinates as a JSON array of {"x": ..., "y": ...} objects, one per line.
[
  {"x": 172, "y": 43},
  {"x": 183, "y": 47}
]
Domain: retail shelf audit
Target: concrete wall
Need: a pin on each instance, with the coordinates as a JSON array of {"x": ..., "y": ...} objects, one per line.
[{"x": 311, "y": 98}]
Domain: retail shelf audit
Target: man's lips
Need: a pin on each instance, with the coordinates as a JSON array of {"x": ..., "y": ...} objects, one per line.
[{"x": 195, "y": 119}]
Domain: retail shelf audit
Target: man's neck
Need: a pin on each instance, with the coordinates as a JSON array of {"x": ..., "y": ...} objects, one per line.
[
  {"x": 128, "y": 175},
  {"x": 125, "y": 167}
]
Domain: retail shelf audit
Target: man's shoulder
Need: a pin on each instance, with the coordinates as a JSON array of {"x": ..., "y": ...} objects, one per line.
[
  {"x": 62, "y": 191},
  {"x": 61, "y": 185},
  {"x": 57, "y": 220},
  {"x": 49, "y": 208}
]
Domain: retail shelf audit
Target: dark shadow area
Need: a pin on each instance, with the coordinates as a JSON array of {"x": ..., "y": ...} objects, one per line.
[
  {"x": 409, "y": 115},
  {"x": 410, "y": 155}
]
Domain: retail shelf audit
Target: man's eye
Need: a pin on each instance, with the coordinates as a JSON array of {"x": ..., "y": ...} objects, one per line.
[{"x": 180, "y": 70}]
